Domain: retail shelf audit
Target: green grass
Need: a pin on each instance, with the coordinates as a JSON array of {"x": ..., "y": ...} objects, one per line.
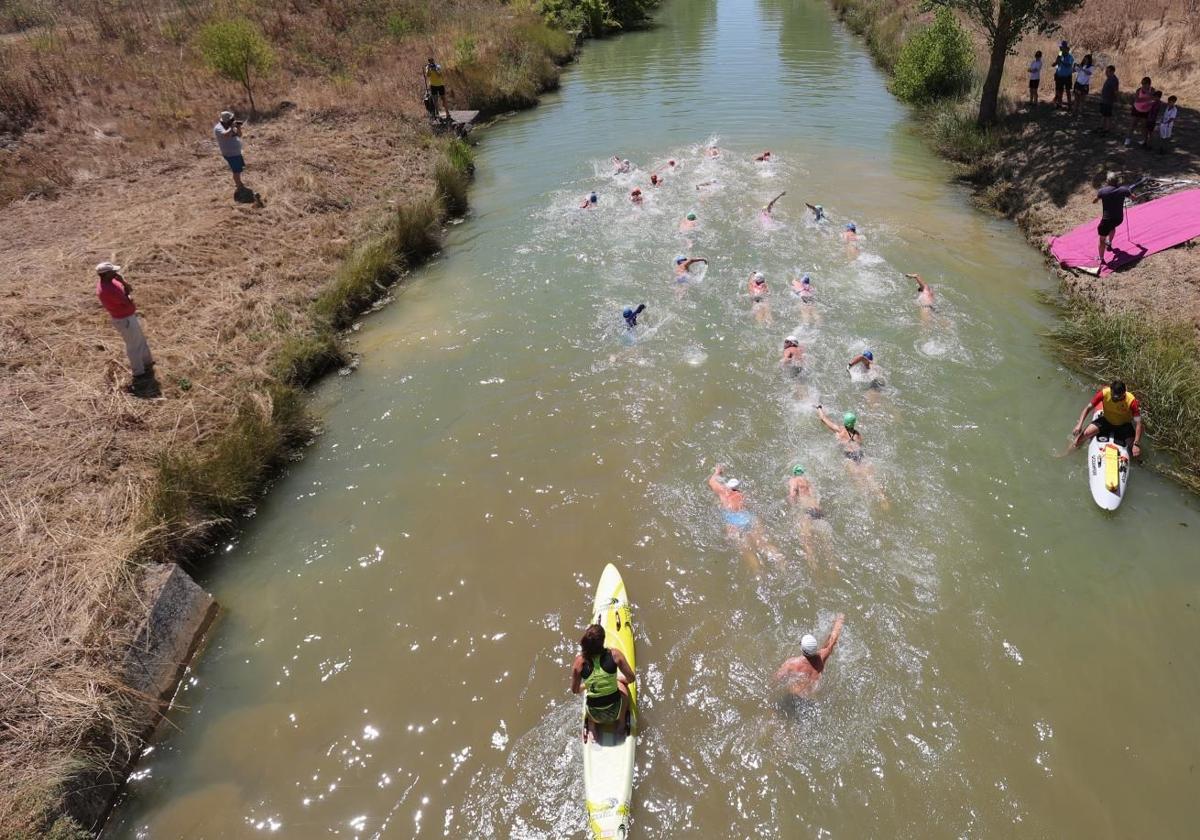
[{"x": 1158, "y": 361}]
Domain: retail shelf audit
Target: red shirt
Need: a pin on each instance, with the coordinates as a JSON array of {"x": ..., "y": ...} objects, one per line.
[{"x": 115, "y": 299}]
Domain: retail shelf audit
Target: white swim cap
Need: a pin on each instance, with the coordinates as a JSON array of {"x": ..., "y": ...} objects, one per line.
[
  {"x": 758, "y": 275},
  {"x": 733, "y": 484},
  {"x": 791, "y": 339},
  {"x": 808, "y": 645}
]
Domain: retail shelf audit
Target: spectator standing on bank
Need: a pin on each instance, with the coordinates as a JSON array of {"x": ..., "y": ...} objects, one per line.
[
  {"x": 1035, "y": 77},
  {"x": 1152, "y": 117},
  {"x": 1139, "y": 111},
  {"x": 1083, "y": 80},
  {"x": 1108, "y": 98},
  {"x": 115, "y": 294},
  {"x": 1166, "y": 124},
  {"x": 228, "y": 132},
  {"x": 436, "y": 85},
  {"x": 1064, "y": 64}
]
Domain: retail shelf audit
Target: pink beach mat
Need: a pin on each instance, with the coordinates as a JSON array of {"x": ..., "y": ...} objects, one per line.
[{"x": 1148, "y": 228}]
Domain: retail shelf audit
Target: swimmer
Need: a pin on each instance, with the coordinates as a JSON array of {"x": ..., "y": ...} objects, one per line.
[
  {"x": 758, "y": 287},
  {"x": 741, "y": 526},
  {"x": 703, "y": 184},
  {"x": 850, "y": 232},
  {"x": 803, "y": 289},
  {"x": 766, "y": 211},
  {"x": 712, "y": 152},
  {"x": 871, "y": 373},
  {"x": 589, "y": 201},
  {"x": 631, "y": 315},
  {"x": 620, "y": 165},
  {"x": 817, "y": 210},
  {"x": 635, "y": 195},
  {"x": 865, "y": 358},
  {"x": 684, "y": 264},
  {"x": 851, "y": 440},
  {"x": 924, "y": 291},
  {"x": 689, "y": 221},
  {"x": 765, "y": 157},
  {"x": 792, "y": 359},
  {"x": 801, "y": 674},
  {"x": 803, "y": 499},
  {"x": 655, "y": 181}
]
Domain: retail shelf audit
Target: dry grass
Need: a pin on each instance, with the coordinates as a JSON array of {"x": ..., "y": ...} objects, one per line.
[{"x": 239, "y": 308}]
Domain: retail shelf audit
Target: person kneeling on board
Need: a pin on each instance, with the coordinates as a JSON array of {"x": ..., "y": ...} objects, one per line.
[
  {"x": 800, "y": 674},
  {"x": 1117, "y": 415},
  {"x": 604, "y": 674}
]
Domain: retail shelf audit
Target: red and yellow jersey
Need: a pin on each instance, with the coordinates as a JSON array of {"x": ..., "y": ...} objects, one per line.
[{"x": 1118, "y": 412}]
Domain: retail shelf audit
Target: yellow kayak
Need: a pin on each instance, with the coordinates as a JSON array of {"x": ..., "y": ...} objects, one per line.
[{"x": 608, "y": 761}]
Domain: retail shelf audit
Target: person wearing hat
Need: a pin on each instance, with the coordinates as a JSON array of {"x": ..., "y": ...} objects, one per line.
[
  {"x": 803, "y": 499},
  {"x": 115, "y": 294},
  {"x": 436, "y": 85},
  {"x": 817, "y": 210},
  {"x": 793, "y": 356},
  {"x": 865, "y": 358},
  {"x": 683, "y": 266},
  {"x": 228, "y": 132},
  {"x": 740, "y": 525},
  {"x": 850, "y": 232},
  {"x": 849, "y": 436},
  {"x": 589, "y": 201},
  {"x": 635, "y": 195},
  {"x": 757, "y": 287},
  {"x": 801, "y": 674},
  {"x": 765, "y": 213},
  {"x": 689, "y": 221},
  {"x": 631, "y": 315},
  {"x": 1064, "y": 67}
]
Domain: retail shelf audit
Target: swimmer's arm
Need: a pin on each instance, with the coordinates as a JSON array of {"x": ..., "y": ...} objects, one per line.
[
  {"x": 829, "y": 424},
  {"x": 623, "y": 665},
  {"x": 856, "y": 360},
  {"x": 688, "y": 263},
  {"x": 920, "y": 282},
  {"x": 714, "y": 481},
  {"x": 576, "y": 675},
  {"x": 834, "y": 634},
  {"x": 771, "y": 203}
]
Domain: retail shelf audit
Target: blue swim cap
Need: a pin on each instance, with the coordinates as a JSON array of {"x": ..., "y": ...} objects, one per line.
[
  {"x": 805, "y": 280},
  {"x": 868, "y": 355},
  {"x": 850, "y": 226},
  {"x": 592, "y": 197},
  {"x": 680, "y": 258},
  {"x": 627, "y": 312}
]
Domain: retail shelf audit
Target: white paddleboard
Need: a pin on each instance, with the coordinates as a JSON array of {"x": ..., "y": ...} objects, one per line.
[
  {"x": 1108, "y": 471},
  {"x": 608, "y": 761}
]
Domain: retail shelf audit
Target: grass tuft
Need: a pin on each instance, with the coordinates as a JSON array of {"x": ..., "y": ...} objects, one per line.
[{"x": 1157, "y": 359}]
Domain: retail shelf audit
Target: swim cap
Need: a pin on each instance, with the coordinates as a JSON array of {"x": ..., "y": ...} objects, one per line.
[
  {"x": 868, "y": 355},
  {"x": 679, "y": 258},
  {"x": 849, "y": 419},
  {"x": 626, "y": 161},
  {"x": 733, "y": 484},
  {"x": 671, "y": 162},
  {"x": 691, "y": 217},
  {"x": 592, "y": 197},
  {"x": 635, "y": 191},
  {"x": 627, "y": 312},
  {"x": 808, "y": 645},
  {"x": 851, "y": 226},
  {"x": 758, "y": 277},
  {"x": 797, "y": 470},
  {"x": 820, "y": 208},
  {"x": 805, "y": 279},
  {"x": 791, "y": 339}
]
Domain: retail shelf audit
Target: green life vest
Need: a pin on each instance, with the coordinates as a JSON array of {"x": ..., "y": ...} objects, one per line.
[{"x": 600, "y": 683}]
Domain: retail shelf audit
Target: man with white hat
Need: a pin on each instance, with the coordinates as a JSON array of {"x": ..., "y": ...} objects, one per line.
[
  {"x": 114, "y": 292},
  {"x": 228, "y": 132},
  {"x": 800, "y": 674}
]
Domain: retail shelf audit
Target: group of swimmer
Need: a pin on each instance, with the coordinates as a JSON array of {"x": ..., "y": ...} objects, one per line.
[{"x": 602, "y": 673}]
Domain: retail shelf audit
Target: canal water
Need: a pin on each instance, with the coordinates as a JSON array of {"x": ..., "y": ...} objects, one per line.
[{"x": 401, "y": 612}]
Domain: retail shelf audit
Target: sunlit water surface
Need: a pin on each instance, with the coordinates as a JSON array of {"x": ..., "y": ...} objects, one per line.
[{"x": 401, "y": 612}]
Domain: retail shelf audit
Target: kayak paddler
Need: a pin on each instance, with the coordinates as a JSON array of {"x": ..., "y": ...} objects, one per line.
[
  {"x": 604, "y": 675},
  {"x": 1117, "y": 415}
]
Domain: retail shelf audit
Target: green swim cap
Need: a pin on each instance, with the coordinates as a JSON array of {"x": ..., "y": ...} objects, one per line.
[
  {"x": 797, "y": 470},
  {"x": 691, "y": 217},
  {"x": 849, "y": 419}
]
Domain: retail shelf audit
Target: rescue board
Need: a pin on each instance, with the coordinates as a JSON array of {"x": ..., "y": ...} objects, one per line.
[
  {"x": 1108, "y": 471},
  {"x": 609, "y": 760}
]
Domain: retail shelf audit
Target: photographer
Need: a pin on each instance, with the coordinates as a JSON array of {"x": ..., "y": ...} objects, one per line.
[{"x": 229, "y": 140}]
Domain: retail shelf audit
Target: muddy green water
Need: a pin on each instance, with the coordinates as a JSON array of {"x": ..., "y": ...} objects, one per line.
[{"x": 401, "y": 612}]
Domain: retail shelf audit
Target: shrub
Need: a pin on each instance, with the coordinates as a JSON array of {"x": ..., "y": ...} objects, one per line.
[
  {"x": 464, "y": 51},
  {"x": 934, "y": 63},
  {"x": 236, "y": 50}
]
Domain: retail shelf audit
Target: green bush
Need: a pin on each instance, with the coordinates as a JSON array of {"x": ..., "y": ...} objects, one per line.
[
  {"x": 935, "y": 63},
  {"x": 596, "y": 17},
  {"x": 236, "y": 50}
]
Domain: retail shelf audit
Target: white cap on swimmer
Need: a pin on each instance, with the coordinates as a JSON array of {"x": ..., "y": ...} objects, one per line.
[
  {"x": 733, "y": 484},
  {"x": 808, "y": 645},
  {"x": 758, "y": 275},
  {"x": 791, "y": 339}
]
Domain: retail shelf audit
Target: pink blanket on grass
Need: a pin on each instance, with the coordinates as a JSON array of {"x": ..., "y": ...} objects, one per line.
[{"x": 1148, "y": 228}]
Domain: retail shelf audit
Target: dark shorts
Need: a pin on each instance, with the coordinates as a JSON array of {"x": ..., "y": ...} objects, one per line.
[
  {"x": 1138, "y": 115},
  {"x": 1106, "y": 109},
  {"x": 1061, "y": 83},
  {"x": 237, "y": 163},
  {"x": 1121, "y": 434},
  {"x": 1033, "y": 83},
  {"x": 606, "y": 709},
  {"x": 1107, "y": 226},
  {"x": 1081, "y": 88},
  {"x": 437, "y": 90}
]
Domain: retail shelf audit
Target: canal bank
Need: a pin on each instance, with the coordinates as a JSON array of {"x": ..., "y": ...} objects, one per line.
[
  {"x": 400, "y": 610},
  {"x": 1042, "y": 167}
]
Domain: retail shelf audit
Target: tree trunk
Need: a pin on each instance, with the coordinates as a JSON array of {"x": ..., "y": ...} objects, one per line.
[
  {"x": 1001, "y": 41},
  {"x": 249, "y": 93}
]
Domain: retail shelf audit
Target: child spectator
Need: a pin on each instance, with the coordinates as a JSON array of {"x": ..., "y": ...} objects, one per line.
[
  {"x": 1166, "y": 124},
  {"x": 1083, "y": 78},
  {"x": 1035, "y": 77}
]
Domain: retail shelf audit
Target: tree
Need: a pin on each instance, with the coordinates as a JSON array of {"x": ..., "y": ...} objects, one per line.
[
  {"x": 1006, "y": 22},
  {"x": 236, "y": 50},
  {"x": 936, "y": 62}
]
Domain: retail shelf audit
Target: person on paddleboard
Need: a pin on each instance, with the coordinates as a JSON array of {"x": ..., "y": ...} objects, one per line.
[
  {"x": 800, "y": 674},
  {"x": 604, "y": 674},
  {"x": 849, "y": 436},
  {"x": 1117, "y": 415}
]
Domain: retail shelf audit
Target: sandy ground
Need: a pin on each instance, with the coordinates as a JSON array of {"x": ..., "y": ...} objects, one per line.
[{"x": 219, "y": 285}]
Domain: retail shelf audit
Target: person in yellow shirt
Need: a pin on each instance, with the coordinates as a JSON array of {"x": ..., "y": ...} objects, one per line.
[
  {"x": 1117, "y": 415},
  {"x": 436, "y": 85}
]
